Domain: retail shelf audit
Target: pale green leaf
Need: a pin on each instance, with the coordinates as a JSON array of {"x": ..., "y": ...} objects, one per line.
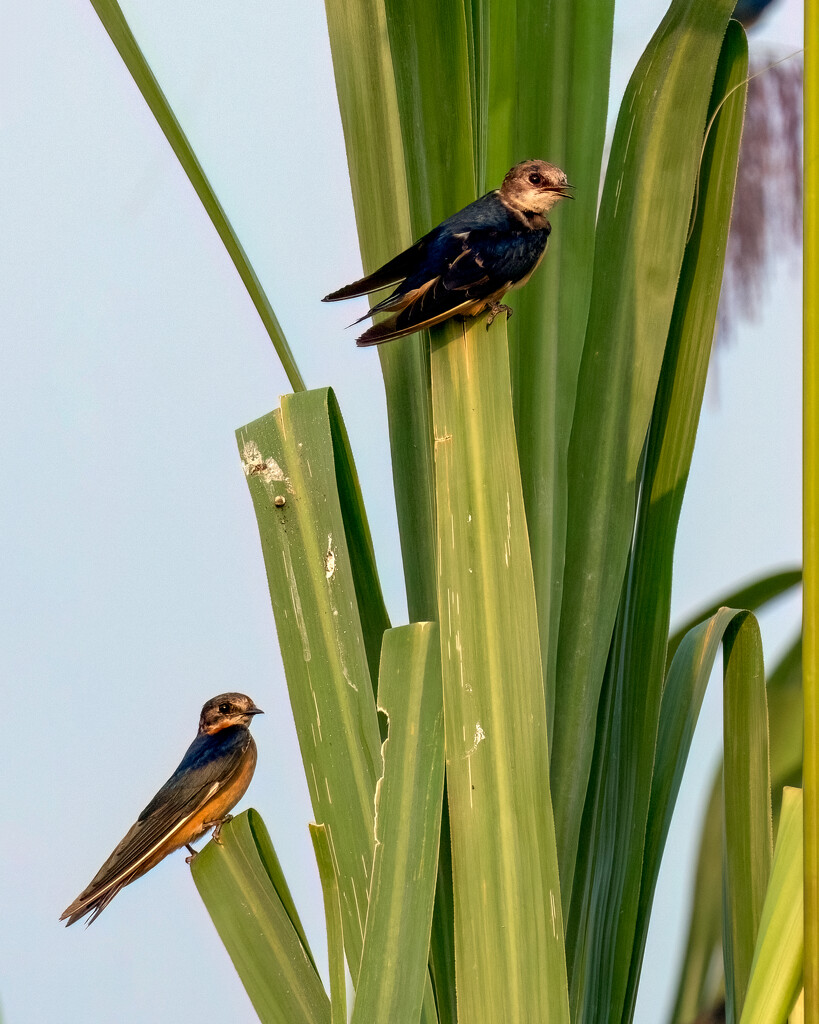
[
  {"x": 255, "y": 920},
  {"x": 292, "y": 457},
  {"x": 393, "y": 976},
  {"x": 776, "y": 971},
  {"x": 508, "y": 928}
]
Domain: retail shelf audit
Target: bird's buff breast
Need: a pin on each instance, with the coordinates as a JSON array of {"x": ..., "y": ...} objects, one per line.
[{"x": 223, "y": 801}]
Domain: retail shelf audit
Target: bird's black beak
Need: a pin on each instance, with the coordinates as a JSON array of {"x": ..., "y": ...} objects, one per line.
[
  {"x": 254, "y": 711},
  {"x": 562, "y": 192}
]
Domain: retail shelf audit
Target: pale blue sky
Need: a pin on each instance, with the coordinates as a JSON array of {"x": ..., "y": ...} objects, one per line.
[{"x": 133, "y": 582}]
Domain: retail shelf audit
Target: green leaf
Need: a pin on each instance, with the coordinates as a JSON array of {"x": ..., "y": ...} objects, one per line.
[
  {"x": 751, "y": 595},
  {"x": 365, "y": 83},
  {"x": 508, "y": 928},
  {"x": 316, "y": 590},
  {"x": 610, "y": 858},
  {"x": 776, "y": 972},
  {"x": 641, "y": 236},
  {"x": 748, "y": 847},
  {"x": 407, "y": 826},
  {"x": 253, "y": 912},
  {"x": 326, "y": 862},
  {"x": 111, "y": 16},
  {"x": 682, "y": 698},
  {"x": 560, "y": 89},
  {"x": 699, "y": 984}
]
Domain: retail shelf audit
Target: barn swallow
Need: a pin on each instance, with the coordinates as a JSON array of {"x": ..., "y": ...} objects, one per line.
[
  {"x": 211, "y": 779},
  {"x": 469, "y": 262}
]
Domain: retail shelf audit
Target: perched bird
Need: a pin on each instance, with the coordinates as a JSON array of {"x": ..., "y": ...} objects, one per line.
[
  {"x": 211, "y": 779},
  {"x": 469, "y": 261}
]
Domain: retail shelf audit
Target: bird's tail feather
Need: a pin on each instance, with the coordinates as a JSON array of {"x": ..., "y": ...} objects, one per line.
[{"x": 397, "y": 327}]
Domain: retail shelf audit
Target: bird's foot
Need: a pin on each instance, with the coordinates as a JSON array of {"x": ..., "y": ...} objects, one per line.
[
  {"x": 194, "y": 853},
  {"x": 495, "y": 309},
  {"x": 217, "y": 828}
]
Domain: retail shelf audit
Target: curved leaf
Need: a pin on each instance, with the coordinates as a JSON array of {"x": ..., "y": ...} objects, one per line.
[
  {"x": 254, "y": 919},
  {"x": 776, "y": 972},
  {"x": 110, "y": 14},
  {"x": 641, "y": 237},
  {"x": 393, "y": 976}
]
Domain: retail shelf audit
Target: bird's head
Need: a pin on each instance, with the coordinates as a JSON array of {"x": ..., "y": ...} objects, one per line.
[
  {"x": 227, "y": 709},
  {"x": 535, "y": 186}
]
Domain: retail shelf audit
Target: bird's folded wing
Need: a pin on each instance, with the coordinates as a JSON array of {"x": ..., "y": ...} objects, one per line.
[
  {"x": 465, "y": 279},
  {"x": 185, "y": 793}
]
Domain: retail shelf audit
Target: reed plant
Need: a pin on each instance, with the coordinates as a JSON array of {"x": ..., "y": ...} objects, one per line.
[{"x": 492, "y": 783}]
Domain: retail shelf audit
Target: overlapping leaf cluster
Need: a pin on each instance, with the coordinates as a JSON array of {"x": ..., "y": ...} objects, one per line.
[{"x": 488, "y": 849}]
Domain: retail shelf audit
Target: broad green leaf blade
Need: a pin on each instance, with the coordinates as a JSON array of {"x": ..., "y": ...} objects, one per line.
[
  {"x": 270, "y": 860},
  {"x": 257, "y": 929},
  {"x": 292, "y": 454},
  {"x": 508, "y": 927},
  {"x": 699, "y": 984},
  {"x": 641, "y": 236},
  {"x": 751, "y": 596},
  {"x": 610, "y": 857},
  {"x": 561, "y": 87},
  {"x": 333, "y": 921},
  {"x": 748, "y": 849},
  {"x": 431, "y": 65},
  {"x": 393, "y": 973},
  {"x": 776, "y": 972},
  {"x": 371, "y": 608},
  {"x": 111, "y": 16},
  {"x": 365, "y": 83},
  {"x": 682, "y": 698}
]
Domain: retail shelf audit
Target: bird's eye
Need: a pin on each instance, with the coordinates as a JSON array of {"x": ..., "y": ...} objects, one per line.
[
  {"x": 224, "y": 709},
  {"x": 535, "y": 178}
]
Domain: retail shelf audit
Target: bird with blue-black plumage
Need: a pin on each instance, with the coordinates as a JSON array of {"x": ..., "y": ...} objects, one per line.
[
  {"x": 468, "y": 263},
  {"x": 210, "y": 780}
]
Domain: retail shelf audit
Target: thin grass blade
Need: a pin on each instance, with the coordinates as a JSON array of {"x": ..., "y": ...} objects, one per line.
[
  {"x": 290, "y": 458},
  {"x": 255, "y": 923},
  {"x": 508, "y": 927},
  {"x": 641, "y": 236},
  {"x": 393, "y": 973},
  {"x": 776, "y": 972},
  {"x": 111, "y": 16}
]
